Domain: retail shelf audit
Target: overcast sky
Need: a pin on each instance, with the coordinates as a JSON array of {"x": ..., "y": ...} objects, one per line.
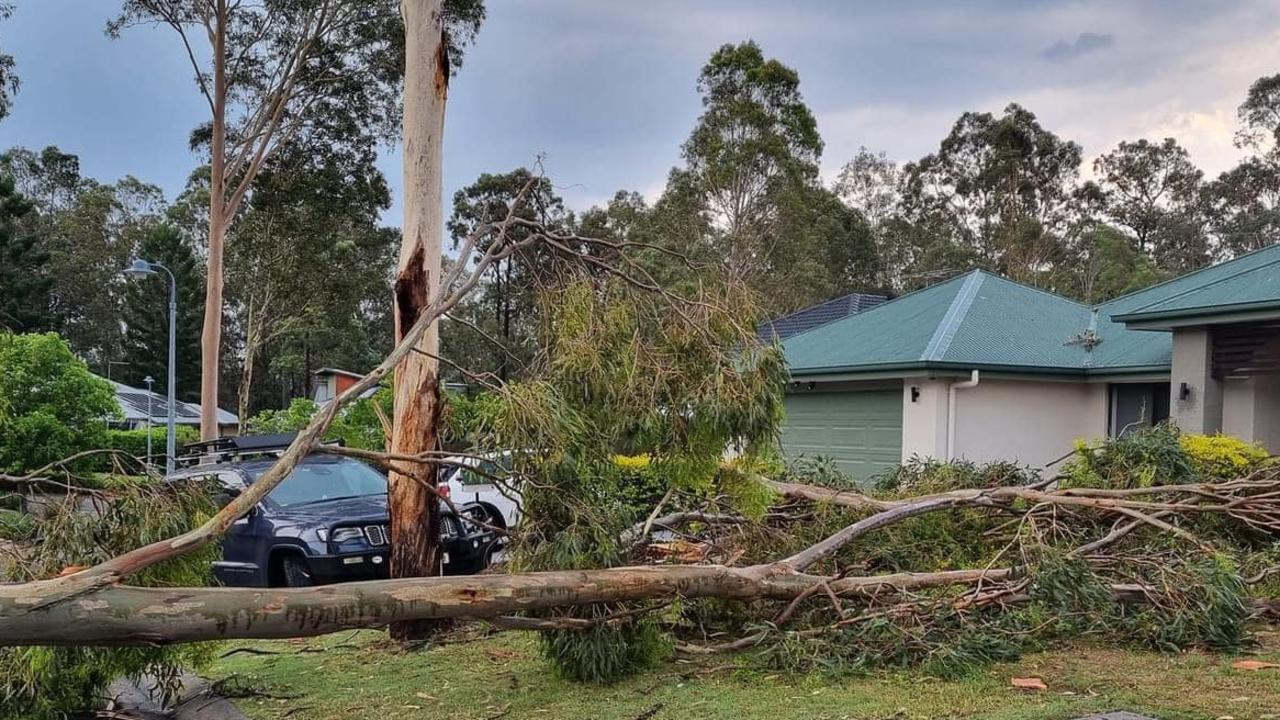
[{"x": 605, "y": 89}]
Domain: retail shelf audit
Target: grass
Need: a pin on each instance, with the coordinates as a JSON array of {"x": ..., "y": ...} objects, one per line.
[{"x": 361, "y": 675}]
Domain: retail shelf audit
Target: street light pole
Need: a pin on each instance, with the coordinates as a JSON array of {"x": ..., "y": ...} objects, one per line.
[
  {"x": 144, "y": 268},
  {"x": 149, "y": 380},
  {"x": 170, "y": 449}
]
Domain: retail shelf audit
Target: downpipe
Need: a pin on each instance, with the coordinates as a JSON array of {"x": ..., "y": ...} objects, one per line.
[{"x": 972, "y": 382}]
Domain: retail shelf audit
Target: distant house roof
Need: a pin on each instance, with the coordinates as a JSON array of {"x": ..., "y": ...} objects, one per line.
[
  {"x": 337, "y": 371},
  {"x": 133, "y": 403},
  {"x": 978, "y": 320},
  {"x": 1245, "y": 288},
  {"x": 820, "y": 314}
]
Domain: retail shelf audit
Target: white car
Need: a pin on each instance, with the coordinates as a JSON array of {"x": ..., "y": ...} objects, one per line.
[{"x": 472, "y": 480}]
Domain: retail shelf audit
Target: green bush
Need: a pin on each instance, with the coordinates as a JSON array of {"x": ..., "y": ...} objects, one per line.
[
  {"x": 134, "y": 442},
  {"x": 291, "y": 419},
  {"x": 48, "y": 683},
  {"x": 926, "y": 476},
  {"x": 1222, "y": 456},
  {"x": 360, "y": 424},
  {"x": 1146, "y": 457},
  {"x": 51, "y": 406}
]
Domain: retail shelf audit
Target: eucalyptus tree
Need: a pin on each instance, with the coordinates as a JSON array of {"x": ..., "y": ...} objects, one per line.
[
  {"x": 499, "y": 321},
  {"x": 1245, "y": 200},
  {"x": 1155, "y": 192},
  {"x": 1245, "y": 204},
  {"x": 8, "y": 68},
  {"x": 309, "y": 270},
  {"x": 1259, "y": 114},
  {"x": 755, "y": 138},
  {"x": 748, "y": 195},
  {"x": 270, "y": 72},
  {"x": 999, "y": 188},
  {"x": 91, "y": 230}
]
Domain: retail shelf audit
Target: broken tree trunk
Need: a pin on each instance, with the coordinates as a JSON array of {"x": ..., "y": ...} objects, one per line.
[
  {"x": 414, "y": 508},
  {"x": 121, "y": 615}
]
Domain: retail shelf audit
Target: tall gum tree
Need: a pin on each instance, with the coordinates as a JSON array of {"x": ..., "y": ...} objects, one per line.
[
  {"x": 415, "y": 514},
  {"x": 270, "y": 72}
]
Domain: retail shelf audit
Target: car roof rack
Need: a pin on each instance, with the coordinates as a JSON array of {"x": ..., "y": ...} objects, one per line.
[{"x": 237, "y": 448}]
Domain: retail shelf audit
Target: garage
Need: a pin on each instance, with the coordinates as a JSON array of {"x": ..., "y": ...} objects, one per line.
[{"x": 860, "y": 431}]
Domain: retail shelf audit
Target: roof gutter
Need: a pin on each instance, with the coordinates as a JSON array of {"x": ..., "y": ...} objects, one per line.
[{"x": 972, "y": 382}]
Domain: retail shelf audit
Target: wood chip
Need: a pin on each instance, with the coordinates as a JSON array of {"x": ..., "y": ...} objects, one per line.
[
  {"x": 1028, "y": 683},
  {"x": 1253, "y": 665}
]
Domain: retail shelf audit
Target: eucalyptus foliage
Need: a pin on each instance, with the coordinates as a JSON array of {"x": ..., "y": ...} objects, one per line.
[
  {"x": 623, "y": 371},
  {"x": 48, "y": 683}
]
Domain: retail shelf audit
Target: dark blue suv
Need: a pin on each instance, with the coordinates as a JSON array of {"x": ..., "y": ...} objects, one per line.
[{"x": 327, "y": 522}]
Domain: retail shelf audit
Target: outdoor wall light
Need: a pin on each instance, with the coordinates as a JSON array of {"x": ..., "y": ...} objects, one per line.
[
  {"x": 1184, "y": 391},
  {"x": 915, "y": 393}
]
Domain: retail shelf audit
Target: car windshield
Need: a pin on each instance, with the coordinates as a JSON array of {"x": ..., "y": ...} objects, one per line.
[{"x": 317, "y": 482}]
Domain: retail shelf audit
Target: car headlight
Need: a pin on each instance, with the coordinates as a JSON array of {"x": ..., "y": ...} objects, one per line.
[{"x": 341, "y": 534}]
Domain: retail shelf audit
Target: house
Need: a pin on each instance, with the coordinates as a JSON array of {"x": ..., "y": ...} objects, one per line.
[
  {"x": 984, "y": 368},
  {"x": 329, "y": 383},
  {"x": 136, "y": 404}
]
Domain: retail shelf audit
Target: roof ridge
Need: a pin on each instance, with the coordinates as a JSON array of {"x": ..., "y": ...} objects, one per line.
[
  {"x": 1209, "y": 284},
  {"x": 1193, "y": 273},
  {"x": 950, "y": 323},
  {"x": 1042, "y": 291}
]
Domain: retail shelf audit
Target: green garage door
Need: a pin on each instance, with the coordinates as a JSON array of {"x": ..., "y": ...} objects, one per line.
[{"x": 860, "y": 431}]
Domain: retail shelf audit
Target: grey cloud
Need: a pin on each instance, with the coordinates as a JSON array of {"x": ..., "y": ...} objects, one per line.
[{"x": 1085, "y": 43}]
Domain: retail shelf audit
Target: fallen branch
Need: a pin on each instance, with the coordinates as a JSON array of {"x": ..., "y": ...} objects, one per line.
[{"x": 122, "y": 615}]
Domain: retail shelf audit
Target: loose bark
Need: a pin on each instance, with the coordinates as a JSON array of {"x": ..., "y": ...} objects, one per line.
[
  {"x": 121, "y": 615},
  {"x": 414, "y": 509}
]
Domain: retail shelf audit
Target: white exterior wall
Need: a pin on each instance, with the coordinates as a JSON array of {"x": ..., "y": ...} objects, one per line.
[
  {"x": 924, "y": 420},
  {"x": 1202, "y": 410},
  {"x": 1028, "y": 421},
  {"x": 1251, "y": 410}
]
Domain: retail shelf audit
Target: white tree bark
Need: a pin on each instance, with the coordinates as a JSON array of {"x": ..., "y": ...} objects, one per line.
[{"x": 414, "y": 508}]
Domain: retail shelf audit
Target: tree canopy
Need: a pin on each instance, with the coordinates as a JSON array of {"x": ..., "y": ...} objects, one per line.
[{"x": 51, "y": 406}]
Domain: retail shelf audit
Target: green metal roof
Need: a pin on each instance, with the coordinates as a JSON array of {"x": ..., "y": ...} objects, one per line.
[
  {"x": 977, "y": 320},
  {"x": 1247, "y": 284}
]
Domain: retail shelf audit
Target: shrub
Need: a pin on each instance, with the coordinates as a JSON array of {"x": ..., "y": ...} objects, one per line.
[
  {"x": 1223, "y": 456},
  {"x": 51, "y": 406},
  {"x": 134, "y": 442},
  {"x": 291, "y": 419},
  {"x": 1146, "y": 457},
  {"x": 360, "y": 424},
  {"x": 44, "y": 683},
  {"x": 925, "y": 476}
]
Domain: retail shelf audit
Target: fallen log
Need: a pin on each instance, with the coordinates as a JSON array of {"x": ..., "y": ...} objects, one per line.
[{"x": 39, "y": 614}]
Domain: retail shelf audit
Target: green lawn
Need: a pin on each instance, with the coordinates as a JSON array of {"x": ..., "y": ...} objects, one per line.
[{"x": 361, "y": 675}]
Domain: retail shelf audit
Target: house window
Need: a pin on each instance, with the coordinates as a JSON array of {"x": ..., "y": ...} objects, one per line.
[{"x": 1137, "y": 405}]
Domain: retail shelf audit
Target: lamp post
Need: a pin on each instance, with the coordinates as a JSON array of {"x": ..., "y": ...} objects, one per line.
[
  {"x": 143, "y": 269},
  {"x": 149, "y": 380}
]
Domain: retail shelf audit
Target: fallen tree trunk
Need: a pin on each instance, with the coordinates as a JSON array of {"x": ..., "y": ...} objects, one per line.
[
  {"x": 90, "y": 607},
  {"x": 123, "y": 615}
]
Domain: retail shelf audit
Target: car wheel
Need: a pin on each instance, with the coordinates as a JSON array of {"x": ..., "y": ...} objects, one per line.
[{"x": 296, "y": 572}]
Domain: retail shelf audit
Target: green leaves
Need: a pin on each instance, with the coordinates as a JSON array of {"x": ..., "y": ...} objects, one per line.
[{"x": 51, "y": 406}]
